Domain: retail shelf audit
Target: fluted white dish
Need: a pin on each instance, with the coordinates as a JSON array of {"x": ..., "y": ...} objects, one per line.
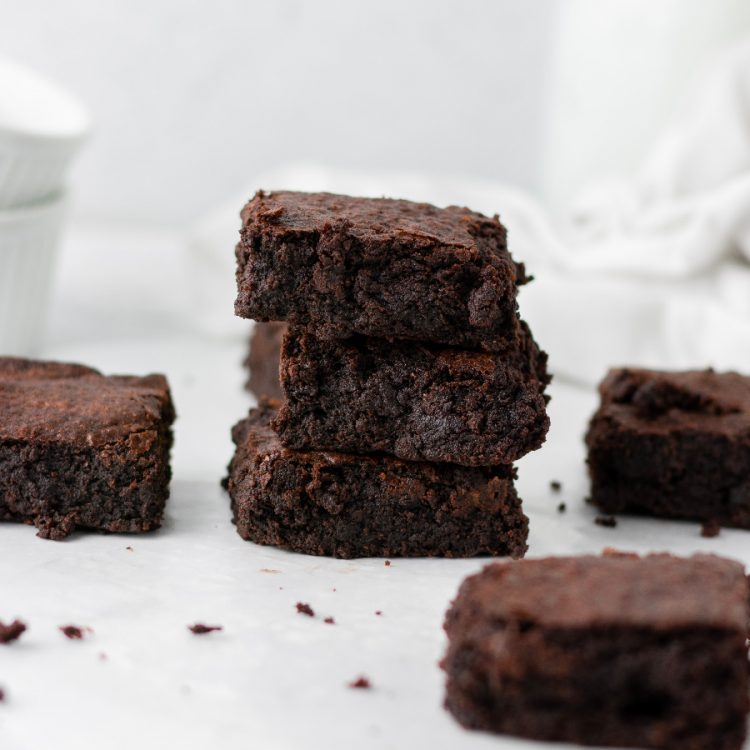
[
  {"x": 41, "y": 129},
  {"x": 29, "y": 238}
]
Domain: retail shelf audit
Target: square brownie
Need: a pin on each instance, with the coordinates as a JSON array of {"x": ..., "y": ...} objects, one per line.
[
  {"x": 378, "y": 267},
  {"x": 263, "y": 360},
  {"x": 618, "y": 650},
  {"x": 79, "y": 450},
  {"x": 342, "y": 505},
  {"x": 672, "y": 444},
  {"x": 415, "y": 401}
]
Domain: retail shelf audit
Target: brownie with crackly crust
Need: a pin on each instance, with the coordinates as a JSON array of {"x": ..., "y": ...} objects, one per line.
[
  {"x": 378, "y": 267},
  {"x": 617, "y": 650},
  {"x": 79, "y": 450},
  {"x": 672, "y": 444},
  {"x": 416, "y": 401},
  {"x": 263, "y": 360},
  {"x": 343, "y": 505}
]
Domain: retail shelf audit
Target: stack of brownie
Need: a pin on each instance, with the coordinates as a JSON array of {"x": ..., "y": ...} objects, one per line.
[{"x": 410, "y": 383}]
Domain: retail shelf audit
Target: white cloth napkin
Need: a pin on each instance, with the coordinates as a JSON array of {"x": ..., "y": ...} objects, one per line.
[{"x": 653, "y": 271}]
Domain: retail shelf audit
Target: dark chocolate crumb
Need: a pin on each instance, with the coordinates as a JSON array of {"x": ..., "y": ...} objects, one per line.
[
  {"x": 130, "y": 549},
  {"x": 609, "y": 521},
  {"x": 710, "y": 529},
  {"x": 199, "y": 628},
  {"x": 378, "y": 612},
  {"x": 2, "y": 695},
  {"x": 329, "y": 621},
  {"x": 562, "y": 508},
  {"x": 9, "y": 633},
  {"x": 361, "y": 682},
  {"x": 387, "y": 563},
  {"x": 72, "y": 631},
  {"x": 555, "y": 486},
  {"x": 305, "y": 609}
]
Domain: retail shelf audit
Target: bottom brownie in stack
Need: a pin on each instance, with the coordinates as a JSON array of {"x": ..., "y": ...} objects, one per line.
[{"x": 343, "y": 505}]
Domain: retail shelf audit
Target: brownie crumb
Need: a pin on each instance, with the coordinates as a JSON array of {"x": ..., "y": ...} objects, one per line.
[
  {"x": 710, "y": 529},
  {"x": 305, "y": 609},
  {"x": 2, "y": 695},
  {"x": 555, "y": 486},
  {"x": 387, "y": 563},
  {"x": 361, "y": 682},
  {"x": 72, "y": 631},
  {"x": 129, "y": 549},
  {"x": 329, "y": 621},
  {"x": 561, "y": 508},
  {"x": 12, "y": 632},
  {"x": 199, "y": 628},
  {"x": 378, "y": 612},
  {"x": 609, "y": 521},
  {"x": 614, "y": 552}
]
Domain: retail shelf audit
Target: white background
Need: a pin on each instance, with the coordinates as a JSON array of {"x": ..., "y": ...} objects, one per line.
[{"x": 192, "y": 100}]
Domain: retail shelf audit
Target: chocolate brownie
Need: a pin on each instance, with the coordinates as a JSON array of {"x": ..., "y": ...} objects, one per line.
[
  {"x": 263, "y": 360},
  {"x": 618, "y": 650},
  {"x": 416, "y": 401},
  {"x": 342, "y": 505},
  {"x": 672, "y": 444},
  {"x": 81, "y": 450},
  {"x": 377, "y": 267}
]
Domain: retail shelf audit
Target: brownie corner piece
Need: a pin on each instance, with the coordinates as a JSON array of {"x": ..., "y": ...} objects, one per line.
[
  {"x": 377, "y": 267},
  {"x": 616, "y": 651},
  {"x": 343, "y": 505},
  {"x": 80, "y": 450},
  {"x": 672, "y": 444}
]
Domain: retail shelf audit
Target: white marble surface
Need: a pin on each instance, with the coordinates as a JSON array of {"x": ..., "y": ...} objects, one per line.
[{"x": 273, "y": 678}]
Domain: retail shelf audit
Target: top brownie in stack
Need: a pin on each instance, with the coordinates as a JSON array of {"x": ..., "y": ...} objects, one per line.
[{"x": 378, "y": 267}]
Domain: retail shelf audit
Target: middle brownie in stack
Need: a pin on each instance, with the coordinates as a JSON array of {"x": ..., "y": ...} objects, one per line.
[{"x": 410, "y": 382}]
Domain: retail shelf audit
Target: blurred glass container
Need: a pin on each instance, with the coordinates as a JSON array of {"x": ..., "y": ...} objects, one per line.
[{"x": 41, "y": 129}]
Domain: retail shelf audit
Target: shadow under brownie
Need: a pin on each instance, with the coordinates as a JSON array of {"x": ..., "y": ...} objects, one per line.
[
  {"x": 79, "y": 450},
  {"x": 415, "y": 401},
  {"x": 672, "y": 444},
  {"x": 342, "y": 505},
  {"x": 377, "y": 267},
  {"x": 617, "y": 650}
]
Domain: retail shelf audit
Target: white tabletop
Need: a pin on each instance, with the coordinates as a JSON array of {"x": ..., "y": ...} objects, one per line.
[{"x": 272, "y": 678}]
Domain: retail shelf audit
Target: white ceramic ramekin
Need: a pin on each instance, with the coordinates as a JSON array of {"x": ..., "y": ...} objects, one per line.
[
  {"x": 41, "y": 129},
  {"x": 28, "y": 246}
]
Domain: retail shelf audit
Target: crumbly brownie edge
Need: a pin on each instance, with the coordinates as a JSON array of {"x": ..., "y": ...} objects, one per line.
[
  {"x": 400, "y": 284},
  {"x": 369, "y": 506},
  {"x": 414, "y": 401},
  {"x": 120, "y": 487}
]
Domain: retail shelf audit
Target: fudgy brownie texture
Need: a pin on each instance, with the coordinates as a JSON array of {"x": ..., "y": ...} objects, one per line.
[
  {"x": 81, "y": 450},
  {"x": 672, "y": 444},
  {"x": 342, "y": 505},
  {"x": 618, "y": 650},
  {"x": 263, "y": 360},
  {"x": 416, "y": 401},
  {"x": 377, "y": 267}
]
